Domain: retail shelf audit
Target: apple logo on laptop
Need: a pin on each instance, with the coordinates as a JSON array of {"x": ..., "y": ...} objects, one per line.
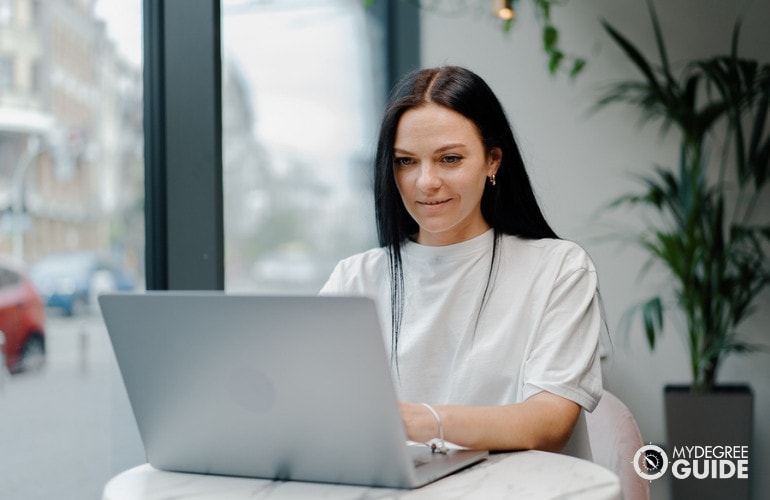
[{"x": 251, "y": 389}]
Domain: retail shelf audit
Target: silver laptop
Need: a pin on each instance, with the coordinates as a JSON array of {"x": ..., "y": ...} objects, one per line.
[{"x": 278, "y": 387}]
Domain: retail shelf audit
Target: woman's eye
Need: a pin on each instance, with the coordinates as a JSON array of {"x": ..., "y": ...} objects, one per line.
[
  {"x": 403, "y": 162},
  {"x": 451, "y": 159}
]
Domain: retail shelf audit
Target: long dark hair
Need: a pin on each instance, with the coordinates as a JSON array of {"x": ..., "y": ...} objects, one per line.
[{"x": 509, "y": 207}]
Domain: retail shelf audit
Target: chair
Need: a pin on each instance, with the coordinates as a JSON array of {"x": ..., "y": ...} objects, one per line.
[{"x": 615, "y": 438}]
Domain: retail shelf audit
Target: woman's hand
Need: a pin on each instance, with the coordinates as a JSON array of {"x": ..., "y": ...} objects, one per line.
[{"x": 419, "y": 422}]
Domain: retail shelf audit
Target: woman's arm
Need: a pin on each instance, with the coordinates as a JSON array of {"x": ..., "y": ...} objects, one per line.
[{"x": 542, "y": 422}]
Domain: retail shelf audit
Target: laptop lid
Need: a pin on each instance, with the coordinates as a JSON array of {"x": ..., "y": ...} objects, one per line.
[{"x": 280, "y": 387}]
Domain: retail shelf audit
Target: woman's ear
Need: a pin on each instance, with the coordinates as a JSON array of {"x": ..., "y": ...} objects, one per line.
[{"x": 494, "y": 158}]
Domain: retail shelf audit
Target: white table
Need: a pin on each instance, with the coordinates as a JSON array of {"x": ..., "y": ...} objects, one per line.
[{"x": 530, "y": 475}]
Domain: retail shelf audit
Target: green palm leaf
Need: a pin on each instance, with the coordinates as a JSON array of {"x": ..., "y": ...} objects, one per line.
[{"x": 717, "y": 263}]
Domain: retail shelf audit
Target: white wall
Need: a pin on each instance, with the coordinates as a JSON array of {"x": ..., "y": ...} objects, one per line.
[{"x": 579, "y": 161}]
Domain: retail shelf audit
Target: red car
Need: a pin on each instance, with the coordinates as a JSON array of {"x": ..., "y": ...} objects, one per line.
[{"x": 22, "y": 320}]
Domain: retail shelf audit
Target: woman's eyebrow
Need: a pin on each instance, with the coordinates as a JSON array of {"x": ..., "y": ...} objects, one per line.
[
  {"x": 450, "y": 146},
  {"x": 439, "y": 150}
]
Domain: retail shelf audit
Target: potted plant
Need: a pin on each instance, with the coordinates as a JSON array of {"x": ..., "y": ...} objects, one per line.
[{"x": 709, "y": 236}]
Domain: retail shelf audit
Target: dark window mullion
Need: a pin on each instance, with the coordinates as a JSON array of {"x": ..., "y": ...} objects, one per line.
[
  {"x": 156, "y": 274},
  {"x": 183, "y": 153}
]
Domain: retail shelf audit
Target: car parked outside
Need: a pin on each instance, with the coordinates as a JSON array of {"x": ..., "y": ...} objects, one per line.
[
  {"x": 72, "y": 281},
  {"x": 22, "y": 320}
]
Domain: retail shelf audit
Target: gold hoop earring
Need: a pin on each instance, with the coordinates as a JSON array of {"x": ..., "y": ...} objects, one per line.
[{"x": 492, "y": 180}]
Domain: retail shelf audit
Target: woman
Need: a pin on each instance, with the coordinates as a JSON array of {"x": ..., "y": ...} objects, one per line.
[{"x": 493, "y": 322}]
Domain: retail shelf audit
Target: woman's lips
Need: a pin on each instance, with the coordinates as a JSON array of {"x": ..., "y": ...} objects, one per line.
[{"x": 432, "y": 203}]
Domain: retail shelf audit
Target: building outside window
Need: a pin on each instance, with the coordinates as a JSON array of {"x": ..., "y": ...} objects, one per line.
[{"x": 71, "y": 192}]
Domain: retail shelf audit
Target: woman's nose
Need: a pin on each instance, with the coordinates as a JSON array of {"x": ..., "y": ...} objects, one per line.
[{"x": 428, "y": 177}]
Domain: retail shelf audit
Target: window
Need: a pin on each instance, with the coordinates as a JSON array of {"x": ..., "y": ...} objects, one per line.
[
  {"x": 71, "y": 183},
  {"x": 72, "y": 180},
  {"x": 301, "y": 97},
  {"x": 9, "y": 278}
]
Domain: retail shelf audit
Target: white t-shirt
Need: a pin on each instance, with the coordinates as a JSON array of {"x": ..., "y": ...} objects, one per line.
[{"x": 538, "y": 330}]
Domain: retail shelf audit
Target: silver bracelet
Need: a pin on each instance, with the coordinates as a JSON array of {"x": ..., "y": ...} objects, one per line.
[{"x": 440, "y": 446}]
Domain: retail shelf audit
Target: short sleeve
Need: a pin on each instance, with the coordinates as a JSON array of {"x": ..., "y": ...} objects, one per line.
[
  {"x": 563, "y": 357},
  {"x": 359, "y": 274},
  {"x": 333, "y": 285}
]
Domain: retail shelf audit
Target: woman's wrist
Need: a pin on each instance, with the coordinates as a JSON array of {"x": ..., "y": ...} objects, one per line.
[{"x": 437, "y": 444}]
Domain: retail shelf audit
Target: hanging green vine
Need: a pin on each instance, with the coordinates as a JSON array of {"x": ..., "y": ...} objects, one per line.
[{"x": 557, "y": 59}]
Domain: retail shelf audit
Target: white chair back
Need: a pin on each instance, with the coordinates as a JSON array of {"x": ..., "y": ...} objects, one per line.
[{"x": 615, "y": 438}]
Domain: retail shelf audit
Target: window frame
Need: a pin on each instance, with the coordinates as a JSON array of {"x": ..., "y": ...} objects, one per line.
[{"x": 184, "y": 225}]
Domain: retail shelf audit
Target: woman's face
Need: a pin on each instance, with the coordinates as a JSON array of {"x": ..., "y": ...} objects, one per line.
[{"x": 441, "y": 167}]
